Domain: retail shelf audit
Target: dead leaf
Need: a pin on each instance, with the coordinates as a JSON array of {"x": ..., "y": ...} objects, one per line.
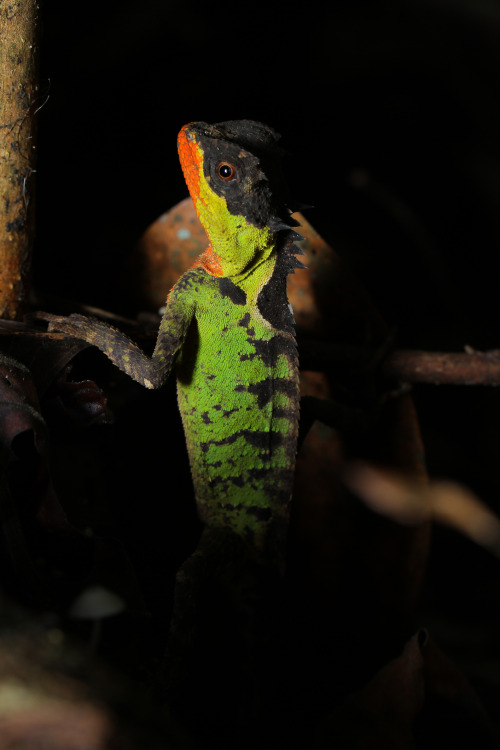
[
  {"x": 412, "y": 502},
  {"x": 382, "y": 715}
]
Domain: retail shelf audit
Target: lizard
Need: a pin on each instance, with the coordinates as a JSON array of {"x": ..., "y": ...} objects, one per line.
[{"x": 228, "y": 328}]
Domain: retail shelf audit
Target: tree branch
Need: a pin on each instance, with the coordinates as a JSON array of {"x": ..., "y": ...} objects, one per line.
[
  {"x": 440, "y": 368},
  {"x": 18, "y": 105},
  {"x": 409, "y": 366}
]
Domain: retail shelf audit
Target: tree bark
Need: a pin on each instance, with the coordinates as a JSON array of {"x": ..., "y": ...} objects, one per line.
[{"x": 18, "y": 105}]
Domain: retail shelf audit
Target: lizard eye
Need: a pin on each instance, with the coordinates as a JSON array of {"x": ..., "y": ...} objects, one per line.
[{"x": 226, "y": 171}]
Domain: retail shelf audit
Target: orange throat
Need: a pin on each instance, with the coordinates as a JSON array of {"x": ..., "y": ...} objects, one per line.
[{"x": 210, "y": 261}]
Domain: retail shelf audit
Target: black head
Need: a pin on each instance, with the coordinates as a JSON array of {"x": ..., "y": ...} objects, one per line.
[{"x": 243, "y": 164}]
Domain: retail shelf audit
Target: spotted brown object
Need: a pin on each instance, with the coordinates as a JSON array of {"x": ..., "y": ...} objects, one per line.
[{"x": 166, "y": 249}]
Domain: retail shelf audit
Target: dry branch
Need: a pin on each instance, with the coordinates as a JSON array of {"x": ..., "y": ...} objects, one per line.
[
  {"x": 408, "y": 366},
  {"x": 444, "y": 368},
  {"x": 18, "y": 103}
]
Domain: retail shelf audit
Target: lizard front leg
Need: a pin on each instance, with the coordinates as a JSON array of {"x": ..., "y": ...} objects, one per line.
[{"x": 151, "y": 372}]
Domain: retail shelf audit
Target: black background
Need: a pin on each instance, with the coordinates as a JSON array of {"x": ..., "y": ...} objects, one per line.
[{"x": 391, "y": 112}]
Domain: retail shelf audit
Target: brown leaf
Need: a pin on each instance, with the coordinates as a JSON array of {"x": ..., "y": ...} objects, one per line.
[
  {"x": 45, "y": 723},
  {"x": 412, "y": 502},
  {"x": 453, "y": 716},
  {"x": 44, "y": 354},
  {"x": 82, "y": 401},
  {"x": 382, "y": 715}
]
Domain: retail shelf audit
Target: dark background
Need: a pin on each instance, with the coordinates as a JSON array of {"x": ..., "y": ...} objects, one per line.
[{"x": 391, "y": 112}]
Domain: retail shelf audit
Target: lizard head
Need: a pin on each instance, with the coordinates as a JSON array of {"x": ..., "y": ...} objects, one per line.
[{"x": 233, "y": 173}]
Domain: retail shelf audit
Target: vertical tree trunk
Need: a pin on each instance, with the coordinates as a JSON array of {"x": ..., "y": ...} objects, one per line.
[{"x": 18, "y": 103}]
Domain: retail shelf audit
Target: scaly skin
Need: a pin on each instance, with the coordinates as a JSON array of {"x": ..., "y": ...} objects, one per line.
[{"x": 229, "y": 328}]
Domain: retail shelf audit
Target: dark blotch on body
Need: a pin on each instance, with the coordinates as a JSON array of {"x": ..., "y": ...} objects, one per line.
[
  {"x": 224, "y": 483},
  {"x": 189, "y": 278},
  {"x": 225, "y": 441},
  {"x": 272, "y": 300},
  {"x": 261, "y": 514},
  {"x": 263, "y": 440},
  {"x": 265, "y": 389},
  {"x": 280, "y": 413},
  {"x": 228, "y": 289},
  {"x": 269, "y": 351},
  {"x": 260, "y": 439}
]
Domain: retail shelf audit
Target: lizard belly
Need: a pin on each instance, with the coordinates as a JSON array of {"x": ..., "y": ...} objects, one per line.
[{"x": 238, "y": 397}]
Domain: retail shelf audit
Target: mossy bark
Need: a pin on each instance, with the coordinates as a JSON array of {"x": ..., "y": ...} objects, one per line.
[{"x": 18, "y": 104}]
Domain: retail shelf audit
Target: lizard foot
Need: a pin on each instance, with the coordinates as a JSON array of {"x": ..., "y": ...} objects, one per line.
[{"x": 74, "y": 325}]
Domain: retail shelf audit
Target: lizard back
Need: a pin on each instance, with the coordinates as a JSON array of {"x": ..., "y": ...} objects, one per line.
[{"x": 238, "y": 370}]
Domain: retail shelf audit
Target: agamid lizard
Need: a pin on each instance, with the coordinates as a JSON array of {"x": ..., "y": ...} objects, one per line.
[{"x": 229, "y": 329}]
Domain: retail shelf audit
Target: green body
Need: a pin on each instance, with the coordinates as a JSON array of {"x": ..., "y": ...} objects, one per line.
[
  {"x": 238, "y": 395},
  {"x": 228, "y": 329}
]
